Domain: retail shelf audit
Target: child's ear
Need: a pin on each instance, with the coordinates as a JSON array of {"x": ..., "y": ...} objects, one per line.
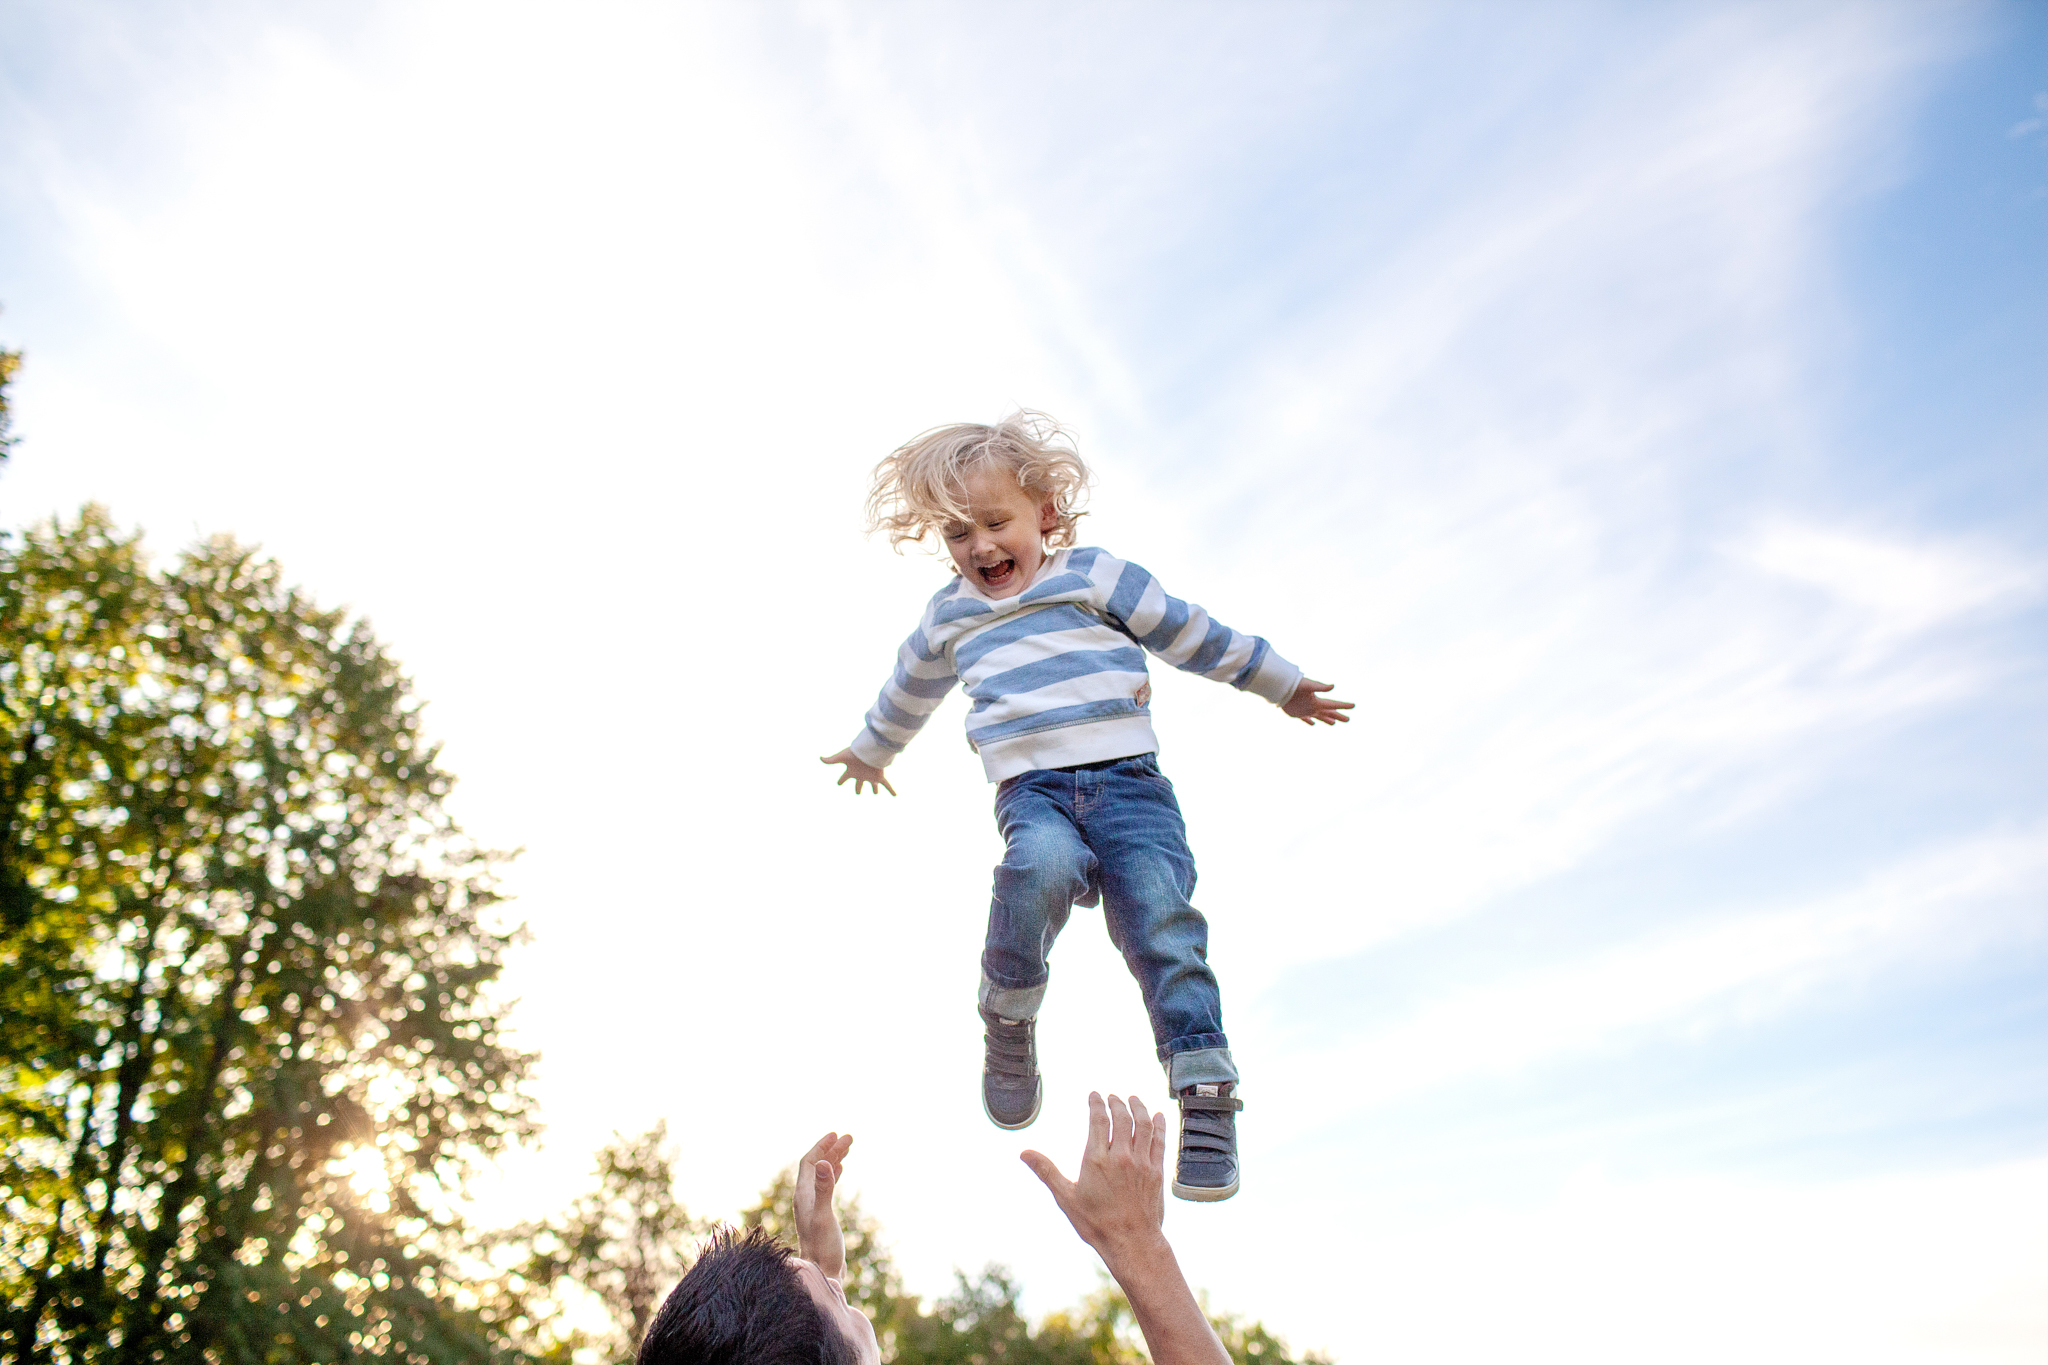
[{"x": 1048, "y": 517}]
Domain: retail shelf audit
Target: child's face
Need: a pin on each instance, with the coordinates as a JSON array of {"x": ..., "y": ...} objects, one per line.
[{"x": 1000, "y": 550}]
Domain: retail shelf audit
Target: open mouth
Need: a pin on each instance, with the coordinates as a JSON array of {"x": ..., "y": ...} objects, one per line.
[{"x": 996, "y": 575}]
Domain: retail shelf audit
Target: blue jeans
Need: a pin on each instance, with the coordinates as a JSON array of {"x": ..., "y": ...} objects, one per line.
[{"x": 1111, "y": 832}]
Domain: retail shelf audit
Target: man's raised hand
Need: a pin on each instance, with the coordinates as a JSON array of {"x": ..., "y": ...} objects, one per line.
[
  {"x": 1118, "y": 1200},
  {"x": 818, "y": 1238},
  {"x": 1308, "y": 707},
  {"x": 862, "y": 775},
  {"x": 1118, "y": 1205}
]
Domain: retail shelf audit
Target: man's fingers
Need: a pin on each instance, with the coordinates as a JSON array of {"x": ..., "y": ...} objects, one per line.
[
  {"x": 1042, "y": 1166},
  {"x": 1119, "y": 1124},
  {"x": 1098, "y": 1125},
  {"x": 1141, "y": 1130}
]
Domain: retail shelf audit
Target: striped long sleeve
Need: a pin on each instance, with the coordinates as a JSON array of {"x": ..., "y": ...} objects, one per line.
[
  {"x": 922, "y": 679},
  {"x": 1057, "y": 674}
]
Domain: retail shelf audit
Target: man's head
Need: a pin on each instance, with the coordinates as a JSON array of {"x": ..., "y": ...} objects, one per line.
[{"x": 749, "y": 1300}]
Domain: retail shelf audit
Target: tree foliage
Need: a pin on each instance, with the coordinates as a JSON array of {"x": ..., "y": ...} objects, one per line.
[
  {"x": 625, "y": 1243},
  {"x": 10, "y": 361},
  {"x": 980, "y": 1323},
  {"x": 243, "y": 972}
]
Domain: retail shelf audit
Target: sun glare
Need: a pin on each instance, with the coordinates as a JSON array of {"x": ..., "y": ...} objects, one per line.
[{"x": 367, "y": 1176}]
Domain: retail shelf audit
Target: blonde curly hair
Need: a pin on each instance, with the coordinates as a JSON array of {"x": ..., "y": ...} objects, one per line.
[{"x": 920, "y": 487}]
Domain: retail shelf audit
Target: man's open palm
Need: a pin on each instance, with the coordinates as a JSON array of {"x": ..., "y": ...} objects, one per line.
[
  {"x": 817, "y": 1226},
  {"x": 1119, "y": 1199}
]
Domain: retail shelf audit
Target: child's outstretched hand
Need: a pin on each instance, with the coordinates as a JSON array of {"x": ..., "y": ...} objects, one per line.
[
  {"x": 865, "y": 775},
  {"x": 1307, "y": 707}
]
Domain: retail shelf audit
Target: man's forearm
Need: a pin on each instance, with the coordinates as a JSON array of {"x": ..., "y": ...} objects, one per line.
[{"x": 1175, "y": 1328}]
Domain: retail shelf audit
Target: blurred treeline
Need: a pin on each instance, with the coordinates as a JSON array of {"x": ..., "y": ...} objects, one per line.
[{"x": 246, "y": 1023}]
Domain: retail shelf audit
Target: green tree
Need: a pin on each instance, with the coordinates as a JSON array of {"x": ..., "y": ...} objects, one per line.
[
  {"x": 244, "y": 962},
  {"x": 1249, "y": 1343},
  {"x": 979, "y": 1323},
  {"x": 10, "y": 361},
  {"x": 1102, "y": 1323},
  {"x": 627, "y": 1242}
]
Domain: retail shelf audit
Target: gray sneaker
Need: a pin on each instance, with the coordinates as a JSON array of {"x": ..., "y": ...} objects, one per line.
[
  {"x": 1010, "y": 1088},
  {"x": 1206, "y": 1170}
]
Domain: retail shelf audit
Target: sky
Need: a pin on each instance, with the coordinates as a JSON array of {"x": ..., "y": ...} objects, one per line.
[{"x": 1637, "y": 410}]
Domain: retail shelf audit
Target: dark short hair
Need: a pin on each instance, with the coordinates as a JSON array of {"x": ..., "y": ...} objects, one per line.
[{"x": 743, "y": 1303}]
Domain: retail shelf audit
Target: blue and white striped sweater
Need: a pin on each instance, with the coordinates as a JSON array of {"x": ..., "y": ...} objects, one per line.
[{"x": 1056, "y": 675}]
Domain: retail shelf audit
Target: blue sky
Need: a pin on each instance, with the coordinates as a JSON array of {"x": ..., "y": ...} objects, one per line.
[{"x": 1637, "y": 409}]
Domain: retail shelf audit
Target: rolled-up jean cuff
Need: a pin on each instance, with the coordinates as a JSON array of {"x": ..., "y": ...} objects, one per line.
[
  {"x": 1010, "y": 1002},
  {"x": 1200, "y": 1066}
]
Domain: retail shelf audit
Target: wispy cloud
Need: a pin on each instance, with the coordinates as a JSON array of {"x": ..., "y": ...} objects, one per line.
[
  {"x": 1735, "y": 967},
  {"x": 1899, "y": 589}
]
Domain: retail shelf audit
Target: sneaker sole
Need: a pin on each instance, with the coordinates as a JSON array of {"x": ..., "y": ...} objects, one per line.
[
  {"x": 1037, "y": 1102},
  {"x": 1204, "y": 1194}
]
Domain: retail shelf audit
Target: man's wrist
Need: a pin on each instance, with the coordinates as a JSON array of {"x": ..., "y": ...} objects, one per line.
[{"x": 1136, "y": 1253}]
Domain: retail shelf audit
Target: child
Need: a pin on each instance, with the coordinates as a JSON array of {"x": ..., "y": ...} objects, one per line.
[{"x": 1049, "y": 643}]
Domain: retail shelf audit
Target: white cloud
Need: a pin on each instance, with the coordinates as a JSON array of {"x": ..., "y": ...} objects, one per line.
[
  {"x": 1736, "y": 968},
  {"x": 1898, "y": 588}
]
